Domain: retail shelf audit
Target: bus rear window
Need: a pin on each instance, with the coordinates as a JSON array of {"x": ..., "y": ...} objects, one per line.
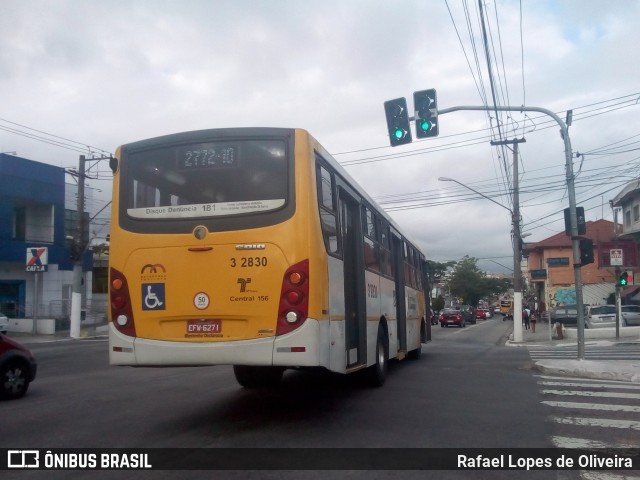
[{"x": 207, "y": 179}]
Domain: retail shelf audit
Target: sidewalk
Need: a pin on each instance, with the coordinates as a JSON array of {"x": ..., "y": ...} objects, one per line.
[
  {"x": 624, "y": 370},
  {"x": 86, "y": 332}
]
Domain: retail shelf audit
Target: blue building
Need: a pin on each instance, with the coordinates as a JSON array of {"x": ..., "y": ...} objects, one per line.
[{"x": 33, "y": 214}]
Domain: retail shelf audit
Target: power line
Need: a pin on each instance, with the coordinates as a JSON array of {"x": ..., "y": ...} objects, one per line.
[{"x": 51, "y": 139}]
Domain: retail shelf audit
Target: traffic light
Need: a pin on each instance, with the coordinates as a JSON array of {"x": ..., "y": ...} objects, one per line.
[
  {"x": 426, "y": 106},
  {"x": 398, "y": 121},
  {"x": 582, "y": 226},
  {"x": 625, "y": 278},
  {"x": 586, "y": 251}
]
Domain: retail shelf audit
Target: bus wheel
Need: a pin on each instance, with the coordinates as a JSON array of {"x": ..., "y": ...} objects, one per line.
[
  {"x": 258, "y": 377},
  {"x": 377, "y": 372},
  {"x": 415, "y": 354}
]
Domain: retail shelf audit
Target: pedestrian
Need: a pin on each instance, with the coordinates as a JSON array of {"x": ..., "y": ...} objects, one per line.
[
  {"x": 525, "y": 317},
  {"x": 533, "y": 318}
]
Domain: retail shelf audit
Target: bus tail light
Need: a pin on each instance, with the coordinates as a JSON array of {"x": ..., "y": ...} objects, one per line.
[
  {"x": 121, "y": 311},
  {"x": 294, "y": 298}
]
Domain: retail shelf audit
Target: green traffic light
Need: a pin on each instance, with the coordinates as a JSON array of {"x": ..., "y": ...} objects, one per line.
[
  {"x": 425, "y": 125},
  {"x": 399, "y": 133}
]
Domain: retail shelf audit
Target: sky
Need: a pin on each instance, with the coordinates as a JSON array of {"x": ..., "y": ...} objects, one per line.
[{"x": 84, "y": 76}]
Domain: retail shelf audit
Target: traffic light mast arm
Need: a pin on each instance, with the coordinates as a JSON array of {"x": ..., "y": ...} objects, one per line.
[{"x": 564, "y": 131}]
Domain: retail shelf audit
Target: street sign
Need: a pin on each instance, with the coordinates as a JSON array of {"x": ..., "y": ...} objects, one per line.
[
  {"x": 37, "y": 259},
  {"x": 615, "y": 257}
]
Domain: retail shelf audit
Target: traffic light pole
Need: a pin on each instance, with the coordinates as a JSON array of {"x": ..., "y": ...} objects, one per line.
[
  {"x": 618, "y": 303},
  {"x": 575, "y": 240}
]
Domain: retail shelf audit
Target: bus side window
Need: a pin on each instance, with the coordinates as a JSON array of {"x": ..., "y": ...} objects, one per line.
[
  {"x": 327, "y": 207},
  {"x": 385, "y": 250}
]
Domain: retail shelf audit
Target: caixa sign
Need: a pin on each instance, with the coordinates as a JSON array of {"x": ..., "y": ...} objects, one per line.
[{"x": 37, "y": 259}]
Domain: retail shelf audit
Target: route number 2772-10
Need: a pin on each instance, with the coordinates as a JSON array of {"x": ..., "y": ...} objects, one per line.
[{"x": 249, "y": 262}]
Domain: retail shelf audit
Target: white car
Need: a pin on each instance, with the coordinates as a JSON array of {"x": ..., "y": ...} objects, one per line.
[
  {"x": 631, "y": 315},
  {"x": 600, "y": 316},
  {"x": 4, "y": 323}
]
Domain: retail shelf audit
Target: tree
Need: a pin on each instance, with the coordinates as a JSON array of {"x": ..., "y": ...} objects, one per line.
[
  {"x": 468, "y": 282},
  {"x": 497, "y": 286},
  {"x": 437, "y": 270},
  {"x": 438, "y": 303}
]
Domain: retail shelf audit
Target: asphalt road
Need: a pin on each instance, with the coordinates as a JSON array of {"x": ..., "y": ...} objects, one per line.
[{"x": 466, "y": 391}]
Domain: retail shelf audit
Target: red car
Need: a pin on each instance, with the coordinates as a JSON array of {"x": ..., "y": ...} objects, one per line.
[
  {"x": 17, "y": 368},
  {"x": 450, "y": 316},
  {"x": 482, "y": 313}
]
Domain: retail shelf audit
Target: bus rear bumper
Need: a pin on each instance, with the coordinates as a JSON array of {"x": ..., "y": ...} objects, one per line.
[{"x": 300, "y": 348}]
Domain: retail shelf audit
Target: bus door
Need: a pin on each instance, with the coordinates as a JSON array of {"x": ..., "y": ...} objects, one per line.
[
  {"x": 354, "y": 288},
  {"x": 398, "y": 274}
]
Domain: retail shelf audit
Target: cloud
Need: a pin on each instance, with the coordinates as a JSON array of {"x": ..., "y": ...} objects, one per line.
[{"x": 107, "y": 73}]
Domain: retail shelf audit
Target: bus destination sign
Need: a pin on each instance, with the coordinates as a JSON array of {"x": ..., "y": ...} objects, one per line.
[{"x": 207, "y": 156}]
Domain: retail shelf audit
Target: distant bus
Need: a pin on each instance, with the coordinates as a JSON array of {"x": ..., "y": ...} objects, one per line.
[
  {"x": 506, "y": 307},
  {"x": 252, "y": 247}
]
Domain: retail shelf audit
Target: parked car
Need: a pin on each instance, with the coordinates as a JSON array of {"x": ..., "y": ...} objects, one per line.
[
  {"x": 631, "y": 315},
  {"x": 17, "y": 368},
  {"x": 566, "y": 314},
  {"x": 600, "y": 316},
  {"x": 4, "y": 323},
  {"x": 452, "y": 316}
]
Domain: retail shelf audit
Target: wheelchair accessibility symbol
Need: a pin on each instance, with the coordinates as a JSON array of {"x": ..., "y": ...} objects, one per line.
[{"x": 153, "y": 297}]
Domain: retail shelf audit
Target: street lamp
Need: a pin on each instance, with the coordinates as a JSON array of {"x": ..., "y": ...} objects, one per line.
[{"x": 517, "y": 267}]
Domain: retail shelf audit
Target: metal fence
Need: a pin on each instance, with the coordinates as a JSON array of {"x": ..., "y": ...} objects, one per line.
[{"x": 93, "y": 312}]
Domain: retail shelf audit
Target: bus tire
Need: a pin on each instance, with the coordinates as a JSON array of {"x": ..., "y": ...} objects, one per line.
[
  {"x": 377, "y": 373},
  {"x": 258, "y": 377},
  {"x": 417, "y": 353}
]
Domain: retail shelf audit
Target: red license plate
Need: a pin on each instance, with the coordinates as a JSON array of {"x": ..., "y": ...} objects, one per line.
[{"x": 204, "y": 326}]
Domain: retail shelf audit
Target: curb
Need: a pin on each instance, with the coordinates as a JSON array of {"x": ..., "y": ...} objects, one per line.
[{"x": 622, "y": 371}]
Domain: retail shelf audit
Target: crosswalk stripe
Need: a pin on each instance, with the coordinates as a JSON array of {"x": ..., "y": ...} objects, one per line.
[
  {"x": 584, "y": 380},
  {"x": 594, "y": 406},
  {"x": 585, "y": 443},
  {"x": 591, "y": 385},
  {"x": 597, "y": 422},
  {"x": 592, "y": 394},
  {"x": 586, "y": 475}
]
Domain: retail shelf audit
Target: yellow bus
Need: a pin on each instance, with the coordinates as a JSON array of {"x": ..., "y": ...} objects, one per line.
[
  {"x": 506, "y": 307},
  {"x": 252, "y": 247}
]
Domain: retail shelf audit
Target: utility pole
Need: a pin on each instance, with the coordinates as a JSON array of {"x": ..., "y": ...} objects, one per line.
[
  {"x": 79, "y": 247},
  {"x": 78, "y": 254},
  {"x": 517, "y": 241}
]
